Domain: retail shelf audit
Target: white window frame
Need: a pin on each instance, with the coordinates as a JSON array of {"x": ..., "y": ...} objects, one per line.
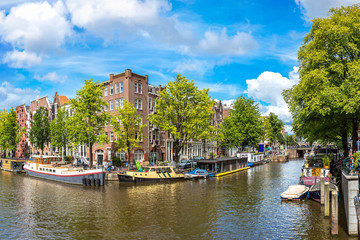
[
  {"x": 139, "y": 88},
  {"x": 117, "y": 103},
  {"x": 106, "y": 91},
  {"x": 139, "y": 155},
  {"x": 111, "y": 90},
  {"x": 136, "y": 87},
  {"x": 121, "y": 87},
  {"x": 136, "y": 104},
  {"x": 140, "y": 104},
  {"x": 111, "y": 105},
  {"x": 105, "y": 108},
  {"x": 121, "y": 103},
  {"x": 116, "y": 88}
]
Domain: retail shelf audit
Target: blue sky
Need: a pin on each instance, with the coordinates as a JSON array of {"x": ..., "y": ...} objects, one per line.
[{"x": 230, "y": 47}]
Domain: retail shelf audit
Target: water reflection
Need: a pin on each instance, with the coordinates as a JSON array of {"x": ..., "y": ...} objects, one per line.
[{"x": 245, "y": 205}]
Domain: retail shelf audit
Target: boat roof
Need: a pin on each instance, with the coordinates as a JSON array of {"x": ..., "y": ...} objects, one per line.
[
  {"x": 317, "y": 187},
  {"x": 217, "y": 160},
  {"x": 159, "y": 167},
  {"x": 45, "y": 156}
]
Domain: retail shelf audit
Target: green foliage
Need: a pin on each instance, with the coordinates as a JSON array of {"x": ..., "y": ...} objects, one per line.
[
  {"x": 128, "y": 128},
  {"x": 325, "y": 103},
  {"x": 86, "y": 125},
  {"x": 10, "y": 132},
  {"x": 59, "y": 129},
  {"x": 212, "y": 155},
  {"x": 116, "y": 161},
  {"x": 243, "y": 126},
  {"x": 274, "y": 128},
  {"x": 184, "y": 111},
  {"x": 40, "y": 130},
  {"x": 326, "y": 160},
  {"x": 356, "y": 157},
  {"x": 69, "y": 159}
]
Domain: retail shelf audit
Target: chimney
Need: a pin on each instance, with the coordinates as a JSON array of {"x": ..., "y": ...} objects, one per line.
[
  {"x": 111, "y": 77},
  {"x": 128, "y": 73}
]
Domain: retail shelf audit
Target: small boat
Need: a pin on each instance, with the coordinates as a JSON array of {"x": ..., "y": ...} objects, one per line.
[
  {"x": 253, "y": 158},
  {"x": 12, "y": 164},
  {"x": 52, "y": 168},
  {"x": 294, "y": 193},
  {"x": 196, "y": 174},
  {"x": 152, "y": 173},
  {"x": 315, "y": 191}
]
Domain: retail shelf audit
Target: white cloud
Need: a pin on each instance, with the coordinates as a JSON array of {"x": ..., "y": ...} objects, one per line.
[
  {"x": 35, "y": 27},
  {"x": 220, "y": 87},
  {"x": 12, "y": 97},
  {"x": 219, "y": 43},
  {"x": 319, "y": 8},
  {"x": 23, "y": 59},
  {"x": 268, "y": 87},
  {"x": 52, "y": 77},
  {"x": 193, "y": 66}
]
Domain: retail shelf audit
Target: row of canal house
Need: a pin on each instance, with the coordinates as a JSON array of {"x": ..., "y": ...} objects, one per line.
[{"x": 127, "y": 86}]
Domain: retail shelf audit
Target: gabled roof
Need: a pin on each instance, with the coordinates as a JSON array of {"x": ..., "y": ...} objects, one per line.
[{"x": 63, "y": 99}]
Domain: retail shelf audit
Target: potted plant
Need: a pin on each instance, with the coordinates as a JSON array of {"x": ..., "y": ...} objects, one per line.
[
  {"x": 326, "y": 161},
  {"x": 356, "y": 157}
]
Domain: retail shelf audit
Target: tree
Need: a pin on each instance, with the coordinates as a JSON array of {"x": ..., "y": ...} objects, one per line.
[
  {"x": 128, "y": 126},
  {"x": 329, "y": 76},
  {"x": 184, "y": 111},
  {"x": 40, "y": 130},
  {"x": 275, "y": 128},
  {"x": 243, "y": 127},
  {"x": 59, "y": 131},
  {"x": 86, "y": 125},
  {"x": 9, "y": 131}
]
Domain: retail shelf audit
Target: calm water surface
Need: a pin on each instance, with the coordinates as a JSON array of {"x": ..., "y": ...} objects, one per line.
[{"x": 245, "y": 205}]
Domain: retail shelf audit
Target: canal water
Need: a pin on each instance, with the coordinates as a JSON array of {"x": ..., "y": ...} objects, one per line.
[{"x": 244, "y": 205}]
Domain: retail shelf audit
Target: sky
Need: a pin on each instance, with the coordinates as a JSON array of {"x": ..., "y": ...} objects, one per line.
[{"x": 231, "y": 47}]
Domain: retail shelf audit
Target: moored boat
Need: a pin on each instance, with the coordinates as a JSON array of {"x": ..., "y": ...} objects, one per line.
[
  {"x": 253, "y": 158},
  {"x": 12, "y": 164},
  {"x": 315, "y": 191},
  {"x": 294, "y": 193},
  {"x": 52, "y": 168},
  {"x": 223, "y": 166},
  {"x": 152, "y": 173},
  {"x": 196, "y": 174}
]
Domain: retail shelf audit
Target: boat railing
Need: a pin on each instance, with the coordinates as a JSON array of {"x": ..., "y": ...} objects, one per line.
[{"x": 347, "y": 166}]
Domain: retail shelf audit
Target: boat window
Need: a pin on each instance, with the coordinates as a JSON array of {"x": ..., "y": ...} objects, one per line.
[
  {"x": 152, "y": 170},
  {"x": 164, "y": 170},
  {"x": 169, "y": 170},
  {"x": 146, "y": 169}
]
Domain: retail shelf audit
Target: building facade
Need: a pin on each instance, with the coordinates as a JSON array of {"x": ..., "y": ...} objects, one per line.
[
  {"x": 23, "y": 121},
  {"x": 131, "y": 87}
]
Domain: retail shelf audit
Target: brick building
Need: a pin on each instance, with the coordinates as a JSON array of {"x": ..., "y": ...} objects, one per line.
[
  {"x": 131, "y": 87},
  {"x": 23, "y": 121}
]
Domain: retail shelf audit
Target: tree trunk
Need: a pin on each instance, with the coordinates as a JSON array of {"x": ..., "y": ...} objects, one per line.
[
  {"x": 90, "y": 147},
  {"x": 177, "y": 149},
  {"x": 204, "y": 150},
  {"x": 344, "y": 142},
  {"x": 354, "y": 134},
  {"x": 129, "y": 150}
]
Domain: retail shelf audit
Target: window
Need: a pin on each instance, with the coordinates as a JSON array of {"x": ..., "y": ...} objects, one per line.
[
  {"x": 117, "y": 103},
  {"x": 106, "y": 107},
  {"x": 139, "y": 103},
  {"x": 139, "y": 88},
  {"x": 111, "y": 90},
  {"x": 106, "y": 91},
  {"x": 121, "y": 155},
  {"x": 116, "y": 88},
  {"x": 139, "y": 155},
  {"x": 153, "y": 104},
  {"x": 111, "y": 105},
  {"x": 121, "y": 103},
  {"x": 136, "y": 89},
  {"x": 111, "y": 136},
  {"x": 150, "y": 101},
  {"x": 138, "y": 137},
  {"x": 136, "y": 104},
  {"x": 109, "y": 154},
  {"x": 121, "y": 87}
]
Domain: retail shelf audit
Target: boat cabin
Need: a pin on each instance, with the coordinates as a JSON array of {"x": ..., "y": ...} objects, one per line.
[
  {"x": 45, "y": 159},
  {"x": 12, "y": 164},
  {"x": 221, "y": 165}
]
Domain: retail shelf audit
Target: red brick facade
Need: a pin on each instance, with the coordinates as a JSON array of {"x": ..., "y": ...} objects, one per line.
[{"x": 23, "y": 121}]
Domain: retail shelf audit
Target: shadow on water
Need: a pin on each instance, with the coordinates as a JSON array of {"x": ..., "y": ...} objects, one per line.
[{"x": 245, "y": 205}]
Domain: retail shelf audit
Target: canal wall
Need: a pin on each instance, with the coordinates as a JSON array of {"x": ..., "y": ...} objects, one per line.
[
  {"x": 292, "y": 153},
  {"x": 350, "y": 186}
]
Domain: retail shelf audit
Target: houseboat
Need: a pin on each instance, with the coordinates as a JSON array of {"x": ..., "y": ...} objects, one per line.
[
  {"x": 223, "y": 166},
  {"x": 52, "y": 168},
  {"x": 253, "y": 158},
  {"x": 12, "y": 164},
  {"x": 151, "y": 173}
]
